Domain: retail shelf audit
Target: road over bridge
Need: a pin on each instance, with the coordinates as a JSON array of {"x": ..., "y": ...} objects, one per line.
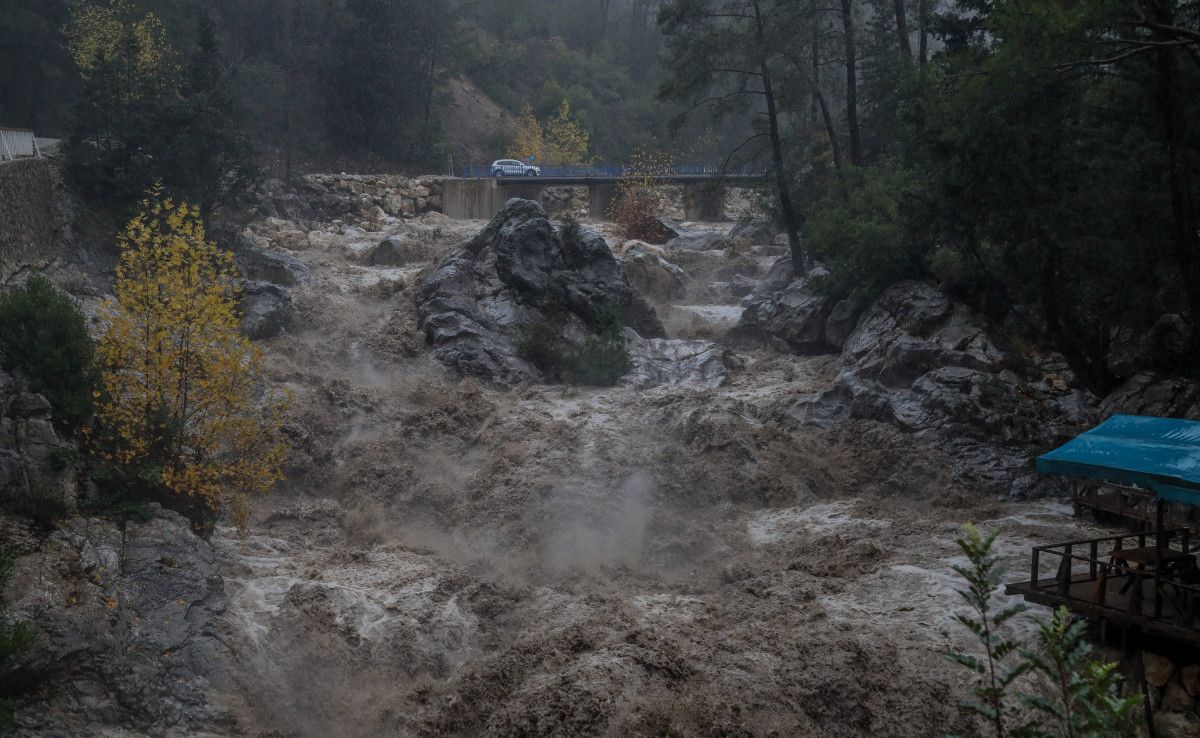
[{"x": 701, "y": 196}]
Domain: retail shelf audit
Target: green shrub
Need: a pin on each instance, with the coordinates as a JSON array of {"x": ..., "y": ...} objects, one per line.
[
  {"x": 601, "y": 361},
  {"x": 866, "y": 238},
  {"x": 44, "y": 335},
  {"x": 1078, "y": 697},
  {"x": 41, "y": 501}
]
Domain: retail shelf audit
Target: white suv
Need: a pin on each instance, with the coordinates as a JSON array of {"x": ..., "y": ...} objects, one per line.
[{"x": 514, "y": 168}]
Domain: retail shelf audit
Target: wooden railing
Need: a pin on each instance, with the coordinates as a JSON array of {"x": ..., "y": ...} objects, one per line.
[{"x": 1076, "y": 564}]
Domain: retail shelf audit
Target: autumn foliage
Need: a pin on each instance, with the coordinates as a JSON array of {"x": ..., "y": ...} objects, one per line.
[
  {"x": 180, "y": 401},
  {"x": 638, "y": 204},
  {"x": 561, "y": 141}
]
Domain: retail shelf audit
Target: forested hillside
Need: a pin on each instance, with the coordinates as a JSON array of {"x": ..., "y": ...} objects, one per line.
[{"x": 364, "y": 84}]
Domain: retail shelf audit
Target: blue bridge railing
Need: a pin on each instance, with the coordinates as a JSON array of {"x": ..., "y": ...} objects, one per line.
[{"x": 615, "y": 170}]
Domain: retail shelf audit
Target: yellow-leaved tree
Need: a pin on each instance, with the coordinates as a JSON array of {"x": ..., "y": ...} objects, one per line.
[
  {"x": 181, "y": 400},
  {"x": 566, "y": 140},
  {"x": 106, "y": 37},
  {"x": 528, "y": 141}
]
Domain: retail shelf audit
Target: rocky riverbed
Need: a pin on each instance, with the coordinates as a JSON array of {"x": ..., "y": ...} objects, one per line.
[{"x": 759, "y": 550}]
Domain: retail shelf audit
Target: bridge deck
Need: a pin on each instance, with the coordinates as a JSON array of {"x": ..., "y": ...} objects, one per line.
[{"x": 668, "y": 179}]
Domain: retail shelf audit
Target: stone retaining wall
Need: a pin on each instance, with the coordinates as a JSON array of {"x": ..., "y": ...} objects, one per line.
[{"x": 33, "y": 223}]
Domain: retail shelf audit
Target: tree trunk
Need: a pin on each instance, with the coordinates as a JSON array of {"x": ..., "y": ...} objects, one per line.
[
  {"x": 1170, "y": 104},
  {"x": 902, "y": 31},
  {"x": 851, "y": 84},
  {"x": 830, "y": 131},
  {"x": 799, "y": 257},
  {"x": 923, "y": 33}
]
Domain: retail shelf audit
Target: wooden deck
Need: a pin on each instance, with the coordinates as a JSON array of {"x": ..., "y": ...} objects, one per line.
[{"x": 1114, "y": 581}]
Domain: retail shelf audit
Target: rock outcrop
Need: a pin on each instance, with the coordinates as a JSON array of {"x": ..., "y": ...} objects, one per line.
[
  {"x": 476, "y": 303},
  {"x": 35, "y": 477},
  {"x": 125, "y": 626},
  {"x": 1154, "y": 393},
  {"x": 918, "y": 361}
]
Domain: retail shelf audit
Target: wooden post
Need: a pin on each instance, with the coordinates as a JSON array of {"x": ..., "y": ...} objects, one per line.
[
  {"x": 1064, "y": 572},
  {"x": 1094, "y": 559},
  {"x": 1160, "y": 541},
  {"x": 1033, "y": 570}
]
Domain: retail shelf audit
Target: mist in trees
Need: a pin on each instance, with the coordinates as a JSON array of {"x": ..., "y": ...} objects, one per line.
[{"x": 1037, "y": 159}]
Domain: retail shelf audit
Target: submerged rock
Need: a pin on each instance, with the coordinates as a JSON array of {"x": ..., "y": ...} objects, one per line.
[
  {"x": 267, "y": 310},
  {"x": 477, "y": 302},
  {"x": 674, "y": 361}
]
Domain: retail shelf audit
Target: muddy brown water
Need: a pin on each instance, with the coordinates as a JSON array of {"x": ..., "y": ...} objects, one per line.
[{"x": 451, "y": 559}]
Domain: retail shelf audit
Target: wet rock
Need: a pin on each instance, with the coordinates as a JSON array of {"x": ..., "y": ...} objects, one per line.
[
  {"x": 267, "y": 310},
  {"x": 480, "y": 298},
  {"x": 1165, "y": 347},
  {"x": 673, "y": 228},
  {"x": 841, "y": 321},
  {"x": 260, "y": 265},
  {"x": 1153, "y": 393},
  {"x": 391, "y": 251},
  {"x": 700, "y": 242},
  {"x": 918, "y": 361},
  {"x": 792, "y": 317},
  {"x": 31, "y": 481},
  {"x": 741, "y": 285},
  {"x": 127, "y": 619},
  {"x": 652, "y": 275},
  {"x": 673, "y": 361},
  {"x": 758, "y": 231}
]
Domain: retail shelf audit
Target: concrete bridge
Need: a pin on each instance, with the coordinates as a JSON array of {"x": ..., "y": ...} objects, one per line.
[{"x": 704, "y": 197}]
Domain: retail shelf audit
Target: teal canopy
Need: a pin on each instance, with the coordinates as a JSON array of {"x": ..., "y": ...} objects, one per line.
[{"x": 1158, "y": 454}]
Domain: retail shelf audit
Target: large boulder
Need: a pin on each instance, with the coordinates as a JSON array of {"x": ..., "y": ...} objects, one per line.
[
  {"x": 260, "y": 265},
  {"x": 652, "y": 275},
  {"x": 758, "y": 231},
  {"x": 475, "y": 306},
  {"x": 267, "y": 310},
  {"x": 921, "y": 362},
  {"x": 787, "y": 313}
]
